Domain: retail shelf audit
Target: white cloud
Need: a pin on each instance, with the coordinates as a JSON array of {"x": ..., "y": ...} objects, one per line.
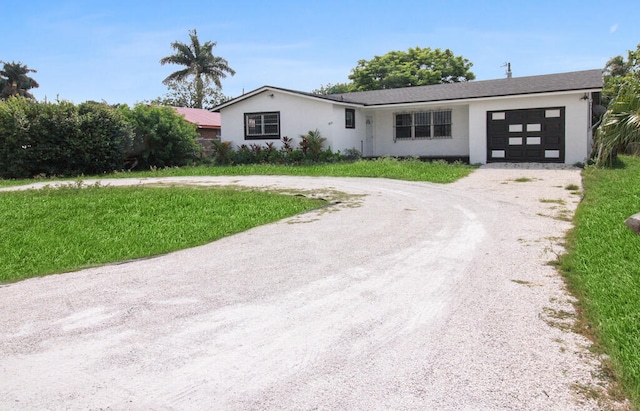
[{"x": 613, "y": 28}]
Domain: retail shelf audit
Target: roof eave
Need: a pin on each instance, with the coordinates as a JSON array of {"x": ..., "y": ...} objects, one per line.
[
  {"x": 478, "y": 98},
  {"x": 263, "y": 89}
]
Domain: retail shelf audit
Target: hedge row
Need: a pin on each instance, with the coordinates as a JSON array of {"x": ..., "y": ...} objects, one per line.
[{"x": 63, "y": 139}]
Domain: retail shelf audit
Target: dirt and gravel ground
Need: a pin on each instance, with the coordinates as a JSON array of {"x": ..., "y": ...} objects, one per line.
[{"x": 404, "y": 295}]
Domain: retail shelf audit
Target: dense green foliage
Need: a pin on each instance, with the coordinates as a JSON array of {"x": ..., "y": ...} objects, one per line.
[
  {"x": 620, "y": 125},
  {"x": 184, "y": 94},
  {"x": 60, "y": 138},
  {"x": 603, "y": 265},
  {"x": 619, "y": 71},
  {"x": 309, "y": 150},
  {"x": 199, "y": 62},
  {"x": 415, "y": 67},
  {"x": 14, "y": 80},
  {"x": 163, "y": 138},
  {"x": 55, "y": 230},
  {"x": 330, "y": 88}
]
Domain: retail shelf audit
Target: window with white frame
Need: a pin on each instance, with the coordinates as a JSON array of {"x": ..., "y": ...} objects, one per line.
[
  {"x": 259, "y": 126},
  {"x": 441, "y": 124},
  {"x": 422, "y": 125},
  {"x": 404, "y": 125}
]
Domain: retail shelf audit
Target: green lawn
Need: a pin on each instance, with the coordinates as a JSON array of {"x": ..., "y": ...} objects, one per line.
[
  {"x": 412, "y": 170},
  {"x": 603, "y": 266},
  {"x": 56, "y": 230}
]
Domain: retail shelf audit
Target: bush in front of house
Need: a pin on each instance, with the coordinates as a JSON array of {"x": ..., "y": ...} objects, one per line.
[
  {"x": 63, "y": 139},
  {"x": 60, "y": 139},
  {"x": 163, "y": 138},
  {"x": 310, "y": 150}
]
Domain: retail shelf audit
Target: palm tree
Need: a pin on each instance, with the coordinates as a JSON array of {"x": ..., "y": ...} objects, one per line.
[
  {"x": 14, "y": 80},
  {"x": 199, "y": 62},
  {"x": 620, "y": 124}
]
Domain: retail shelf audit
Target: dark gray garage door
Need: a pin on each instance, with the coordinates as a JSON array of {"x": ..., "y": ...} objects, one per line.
[{"x": 531, "y": 135}]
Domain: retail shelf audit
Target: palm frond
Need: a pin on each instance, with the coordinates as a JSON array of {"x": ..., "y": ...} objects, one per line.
[
  {"x": 178, "y": 76},
  {"x": 199, "y": 61},
  {"x": 620, "y": 124}
]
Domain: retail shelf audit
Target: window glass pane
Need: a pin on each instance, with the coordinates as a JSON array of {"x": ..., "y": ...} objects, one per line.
[
  {"x": 403, "y": 120},
  {"x": 422, "y": 119},
  {"x": 442, "y": 123},
  {"x": 442, "y": 130},
  {"x": 271, "y": 123},
  {"x": 442, "y": 117},
  {"x": 350, "y": 118},
  {"x": 515, "y": 128},
  {"x": 271, "y": 118},
  {"x": 270, "y": 129},
  {"x": 423, "y": 131},
  {"x": 551, "y": 153},
  {"x": 403, "y": 125},
  {"x": 254, "y": 124},
  {"x": 403, "y": 132}
]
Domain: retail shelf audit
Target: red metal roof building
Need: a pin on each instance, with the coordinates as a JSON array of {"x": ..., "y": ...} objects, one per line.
[{"x": 208, "y": 124}]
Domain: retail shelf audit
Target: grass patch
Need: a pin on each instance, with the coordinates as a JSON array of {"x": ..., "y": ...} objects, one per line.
[
  {"x": 603, "y": 266},
  {"x": 552, "y": 201},
  {"x": 10, "y": 183},
  {"x": 409, "y": 169},
  {"x": 572, "y": 187},
  {"x": 523, "y": 180},
  {"x": 57, "y": 230}
]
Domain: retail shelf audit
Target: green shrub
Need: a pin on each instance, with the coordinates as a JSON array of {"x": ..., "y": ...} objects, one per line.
[
  {"x": 222, "y": 151},
  {"x": 311, "y": 145},
  {"x": 163, "y": 138},
  {"x": 309, "y": 151},
  {"x": 42, "y": 138}
]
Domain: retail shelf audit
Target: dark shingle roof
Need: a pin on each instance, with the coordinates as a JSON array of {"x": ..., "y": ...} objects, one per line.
[
  {"x": 548, "y": 83},
  {"x": 577, "y": 80}
]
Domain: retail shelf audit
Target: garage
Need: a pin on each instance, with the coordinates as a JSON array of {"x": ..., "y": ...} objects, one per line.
[{"x": 528, "y": 135}]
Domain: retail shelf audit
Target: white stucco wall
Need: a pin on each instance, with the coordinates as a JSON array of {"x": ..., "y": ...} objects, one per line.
[
  {"x": 577, "y": 134},
  {"x": 298, "y": 115},
  {"x": 384, "y": 145}
]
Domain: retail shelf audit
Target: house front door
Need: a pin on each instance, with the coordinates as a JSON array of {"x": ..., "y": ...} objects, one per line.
[{"x": 368, "y": 143}]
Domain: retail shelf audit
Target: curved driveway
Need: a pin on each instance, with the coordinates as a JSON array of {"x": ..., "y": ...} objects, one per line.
[{"x": 404, "y": 295}]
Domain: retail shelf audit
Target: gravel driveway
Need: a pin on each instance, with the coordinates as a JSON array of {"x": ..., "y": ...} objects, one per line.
[{"x": 404, "y": 295}]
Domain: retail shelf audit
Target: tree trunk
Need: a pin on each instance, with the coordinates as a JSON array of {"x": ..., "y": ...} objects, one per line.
[{"x": 199, "y": 92}]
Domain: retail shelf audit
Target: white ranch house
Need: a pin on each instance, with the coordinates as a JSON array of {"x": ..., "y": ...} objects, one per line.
[{"x": 545, "y": 118}]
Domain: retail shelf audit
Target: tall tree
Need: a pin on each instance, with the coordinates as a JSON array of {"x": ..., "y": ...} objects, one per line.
[
  {"x": 337, "y": 88},
  {"x": 620, "y": 125},
  {"x": 415, "y": 67},
  {"x": 14, "y": 80},
  {"x": 618, "y": 71},
  {"x": 183, "y": 94},
  {"x": 199, "y": 62}
]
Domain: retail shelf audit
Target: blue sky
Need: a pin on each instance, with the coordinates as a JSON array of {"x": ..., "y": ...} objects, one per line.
[{"x": 110, "y": 50}]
